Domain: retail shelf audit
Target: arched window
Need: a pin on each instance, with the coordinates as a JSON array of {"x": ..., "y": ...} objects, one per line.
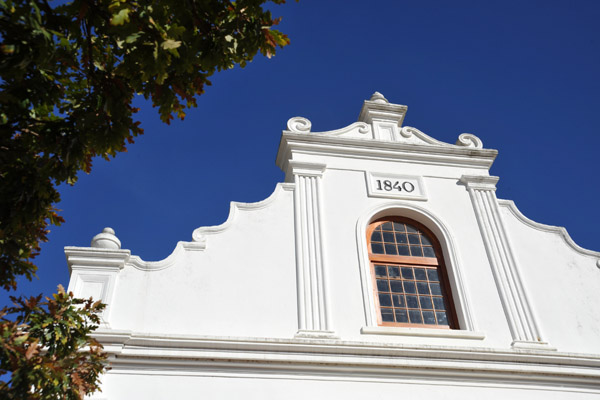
[{"x": 410, "y": 280}]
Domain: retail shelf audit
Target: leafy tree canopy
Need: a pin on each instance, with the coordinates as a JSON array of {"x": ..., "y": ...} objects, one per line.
[
  {"x": 69, "y": 73},
  {"x": 45, "y": 346}
]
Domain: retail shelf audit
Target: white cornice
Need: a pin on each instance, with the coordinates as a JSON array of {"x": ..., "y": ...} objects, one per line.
[
  {"x": 376, "y": 360},
  {"x": 381, "y": 150}
]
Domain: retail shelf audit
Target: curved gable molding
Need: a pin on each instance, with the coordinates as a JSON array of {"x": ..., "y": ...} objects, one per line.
[
  {"x": 447, "y": 242},
  {"x": 199, "y": 235},
  {"x": 557, "y": 230},
  {"x": 359, "y": 130}
]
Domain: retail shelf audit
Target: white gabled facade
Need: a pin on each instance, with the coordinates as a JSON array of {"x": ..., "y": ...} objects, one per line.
[{"x": 280, "y": 300}]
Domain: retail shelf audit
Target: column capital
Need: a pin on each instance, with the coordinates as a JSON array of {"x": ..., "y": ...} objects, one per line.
[
  {"x": 480, "y": 182},
  {"x": 307, "y": 168}
]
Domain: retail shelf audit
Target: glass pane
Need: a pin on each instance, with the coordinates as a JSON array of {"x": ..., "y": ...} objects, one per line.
[
  {"x": 438, "y": 302},
  {"x": 415, "y": 316},
  {"x": 407, "y": 273},
  {"x": 387, "y": 226},
  {"x": 401, "y": 238},
  {"x": 425, "y": 240},
  {"x": 376, "y": 237},
  {"x": 416, "y": 251},
  {"x": 403, "y": 251},
  {"x": 377, "y": 248},
  {"x": 422, "y": 288},
  {"x": 425, "y": 302},
  {"x": 401, "y": 316},
  {"x": 398, "y": 300},
  {"x": 420, "y": 274},
  {"x": 410, "y": 228},
  {"x": 396, "y": 286},
  {"x": 380, "y": 270},
  {"x": 409, "y": 287},
  {"x": 387, "y": 315},
  {"x": 398, "y": 227},
  {"x": 413, "y": 239},
  {"x": 432, "y": 275},
  {"x": 441, "y": 317},
  {"x": 412, "y": 302},
  {"x": 435, "y": 288},
  {"x": 382, "y": 285},
  {"x": 428, "y": 317},
  {"x": 393, "y": 271},
  {"x": 388, "y": 237},
  {"x": 390, "y": 249},
  {"x": 385, "y": 300},
  {"x": 428, "y": 252}
]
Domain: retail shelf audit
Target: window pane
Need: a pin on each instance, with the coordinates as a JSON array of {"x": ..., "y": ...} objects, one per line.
[
  {"x": 396, "y": 286},
  {"x": 410, "y": 228},
  {"x": 403, "y": 251},
  {"x": 426, "y": 302},
  {"x": 438, "y": 302},
  {"x": 401, "y": 316},
  {"x": 432, "y": 275},
  {"x": 435, "y": 288},
  {"x": 428, "y": 252},
  {"x": 376, "y": 237},
  {"x": 409, "y": 287},
  {"x": 387, "y": 315},
  {"x": 387, "y": 226},
  {"x": 415, "y": 316},
  {"x": 425, "y": 240},
  {"x": 398, "y": 300},
  {"x": 407, "y": 273},
  {"x": 420, "y": 274},
  {"x": 428, "y": 317},
  {"x": 441, "y": 317},
  {"x": 380, "y": 270},
  {"x": 388, "y": 237},
  {"x": 401, "y": 238},
  {"x": 422, "y": 288},
  {"x": 393, "y": 271},
  {"x": 412, "y": 302},
  {"x": 414, "y": 239},
  {"x": 390, "y": 249},
  {"x": 416, "y": 251},
  {"x": 377, "y": 248},
  {"x": 382, "y": 285},
  {"x": 398, "y": 227},
  {"x": 385, "y": 300}
]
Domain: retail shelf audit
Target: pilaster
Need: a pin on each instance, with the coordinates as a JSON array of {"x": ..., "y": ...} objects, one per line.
[
  {"x": 313, "y": 305},
  {"x": 523, "y": 326}
]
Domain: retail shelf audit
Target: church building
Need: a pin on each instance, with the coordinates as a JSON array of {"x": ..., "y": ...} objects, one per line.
[{"x": 384, "y": 266}]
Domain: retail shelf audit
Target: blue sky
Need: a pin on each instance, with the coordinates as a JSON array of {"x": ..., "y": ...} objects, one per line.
[{"x": 521, "y": 75}]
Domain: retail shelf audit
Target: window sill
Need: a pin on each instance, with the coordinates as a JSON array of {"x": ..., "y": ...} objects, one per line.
[{"x": 422, "y": 332}]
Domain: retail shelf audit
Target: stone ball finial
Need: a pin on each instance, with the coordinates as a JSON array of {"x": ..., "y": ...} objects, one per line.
[
  {"x": 379, "y": 98},
  {"x": 106, "y": 240}
]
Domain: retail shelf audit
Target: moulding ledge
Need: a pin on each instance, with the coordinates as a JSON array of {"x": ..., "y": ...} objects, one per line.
[
  {"x": 384, "y": 151},
  {"x": 306, "y": 168},
  {"x": 528, "y": 345},
  {"x": 159, "y": 345},
  {"x": 480, "y": 182},
  {"x": 422, "y": 332},
  {"x": 91, "y": 258},
  {"x": 557, "y": 230},
  {"x": 309, "y": 334}
]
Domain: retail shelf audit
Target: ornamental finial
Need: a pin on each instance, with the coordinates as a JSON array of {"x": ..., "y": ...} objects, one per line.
[{"x": 106, "y": 240}]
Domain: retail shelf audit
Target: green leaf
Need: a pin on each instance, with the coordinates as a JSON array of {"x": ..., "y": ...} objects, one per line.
[
  {"x": 120, "y": 18},
  {"x": 170, "y": 44}
]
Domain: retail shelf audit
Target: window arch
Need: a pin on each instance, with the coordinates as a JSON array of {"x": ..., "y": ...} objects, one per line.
[{"x": 409, "y": 276}]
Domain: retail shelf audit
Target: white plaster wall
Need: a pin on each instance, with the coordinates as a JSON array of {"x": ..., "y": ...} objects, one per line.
[
  {"x": 242, "y": 284},
  {"x": 563, "y": 284},
  {"x": 155, "y": 385}
]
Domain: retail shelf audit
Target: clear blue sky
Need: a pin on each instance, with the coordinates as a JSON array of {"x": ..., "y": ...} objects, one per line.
[{"x": 524, "y": 76}]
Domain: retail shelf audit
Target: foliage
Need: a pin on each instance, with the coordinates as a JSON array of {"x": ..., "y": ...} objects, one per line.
[
  {"x": 45, "y": 347},
  {"x": 69, "y": 73}
]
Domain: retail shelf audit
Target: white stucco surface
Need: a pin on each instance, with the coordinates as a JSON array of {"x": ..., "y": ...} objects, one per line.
[{"x": 278, "y": 300}]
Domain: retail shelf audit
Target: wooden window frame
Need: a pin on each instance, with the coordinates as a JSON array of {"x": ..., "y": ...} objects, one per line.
[{"x": 411, "y": 261}]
